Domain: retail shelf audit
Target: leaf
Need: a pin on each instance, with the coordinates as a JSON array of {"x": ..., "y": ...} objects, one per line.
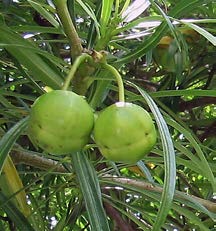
[
  {"x": 101, "y": 90},
  {"x": 11, "y": 184},
  {"x": 204, "y": 165},
  {"x": 36, "y": 29},
  {"x": 45, "y": 13},
  {"x": 145, "y": 170},
  {"x": 9, "y": 138},
  {"x": 90, "y": 188},
  {"x": 194, "y": 219},
  {"x": 211, "y": 38},
  {"x": 148, "y": 44},
  {"x": 147, "y": 22},
  {"x": 105, "y": 15},
  {"x": 14, "y": 94},
  {"x": 135, "y": 9},
  {"x": 24, "y": 53},
  {"x": 147, "y": 189},
  {"x": 186, "y": 92},
  {"x": 181, "y": 8},
  {"x": 94, "y": 27},
  {"x": 91, "y": 14},
  {"x": 169, "y": 161},
  {"x": 15, "y": 215},
  {"x": 121, "y": 208},
  {"x": 169, "y": 23}
]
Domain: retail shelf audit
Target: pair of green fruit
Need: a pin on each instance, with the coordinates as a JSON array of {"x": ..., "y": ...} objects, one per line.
[{"x": 61, "y": 122}]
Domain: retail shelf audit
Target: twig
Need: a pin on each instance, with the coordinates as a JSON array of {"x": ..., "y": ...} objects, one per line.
[{"x": 114, "y": 215}]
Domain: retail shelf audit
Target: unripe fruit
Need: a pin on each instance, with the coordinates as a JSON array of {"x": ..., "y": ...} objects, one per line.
[
  {"x": 60, "y": 122},
  {"x": 124, "y": 132}
]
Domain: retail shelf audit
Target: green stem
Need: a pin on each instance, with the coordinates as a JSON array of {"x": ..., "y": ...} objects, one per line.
[
  {"x": 70, "y": 31},
  {"x": 76, "y": 64},
  {"x": 118, "y": 79}
]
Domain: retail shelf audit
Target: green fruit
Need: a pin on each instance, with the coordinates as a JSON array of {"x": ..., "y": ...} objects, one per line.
[
  {"x": 124, "y": 132},
  {"x": 60, "y": 122}
]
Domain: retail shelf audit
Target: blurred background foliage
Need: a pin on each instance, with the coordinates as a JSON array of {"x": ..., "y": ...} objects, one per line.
[{"x": 165, "y": 52}]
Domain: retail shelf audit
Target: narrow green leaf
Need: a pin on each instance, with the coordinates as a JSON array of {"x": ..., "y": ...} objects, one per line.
[
  {"x": 179, "y": 196},
  {"x": 40, "y": 9},
  {"x": 91, "y": 14},
  {"x": 101, "y": 90},
  {"x": 25, "y": 55},
  {"x": 193, "y": 159},
  {"x": 192, "y": 202},
  {"x": 5, "y": 102},
  {"x": 204, "y": 165},
  {"x": 204, "y": 20},
  {"x": 169, "y": 162},
  {"x": 186, "y": 92},
  {"x": 148, "y": 44},
  {"x": 13, "y": 189},
  {"x": 182, "y": 8},
  {"x": 15, "y": 215},
  {"x": 14, "y": 94},
  {"x": 37, "y": 218},
  {"x": 105, "y": 15},
  {"x": 150, "y": 20},
  {"x": 185, "y": 211},
  {"x": 193, "y": 218},
  {"x": 94, "y": 27},
  {"x": 8, "y": 140},
  {"x": 145, "y": 170},
  {"x": 211, "y": 38},
  {"x": 60, "y": 225},
  {"x": 39, "y": 29},
  {"x": 121, "y": 208},
  {"x": 135, "y": 9},
  {"x": 169, "y": 23},
  {"x": 90, "y": 188}
]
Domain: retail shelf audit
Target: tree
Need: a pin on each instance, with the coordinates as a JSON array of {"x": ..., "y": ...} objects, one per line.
[{"x": 165, "y": 54}]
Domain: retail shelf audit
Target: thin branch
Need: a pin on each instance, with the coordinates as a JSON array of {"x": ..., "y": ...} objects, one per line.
[
  {"x": 197, "y": 102},
  {"x": 209, "y": 132},
  {"x": 184, "y": 179},
  {"x": 24, "y": 157},
  {"x": 114, "y": 215},
  {"x": 20, "y": 156},
  {"x": 211, "y": 206},
  {"x": 74, "y": 40}
]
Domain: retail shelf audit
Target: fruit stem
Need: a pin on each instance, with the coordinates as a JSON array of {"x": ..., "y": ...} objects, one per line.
[
  {"x": 118, "y": 79},
  {"x": 80, "y": 59},
  {"x": 70, "y": 31}
]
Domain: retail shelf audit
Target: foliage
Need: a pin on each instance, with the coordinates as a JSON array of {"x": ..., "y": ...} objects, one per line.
[{"x": 165, "y": 53}]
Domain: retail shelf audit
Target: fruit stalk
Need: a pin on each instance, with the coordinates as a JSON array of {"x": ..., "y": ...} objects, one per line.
[
  {"x": 118, "y": 79},
  {"x": 78, "y": 61}
]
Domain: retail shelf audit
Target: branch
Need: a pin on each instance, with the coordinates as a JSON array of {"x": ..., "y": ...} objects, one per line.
[
  {"x": 211, "y": 206},
  {"x": 192, "y": 189},
  {"x": 21, "y": 156},
  {"x": 197, "y": 102},
  {"x": 209, "y": 132},
  {"x": 114, "y": 215},
  {"x": 74, "y": 40}
]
